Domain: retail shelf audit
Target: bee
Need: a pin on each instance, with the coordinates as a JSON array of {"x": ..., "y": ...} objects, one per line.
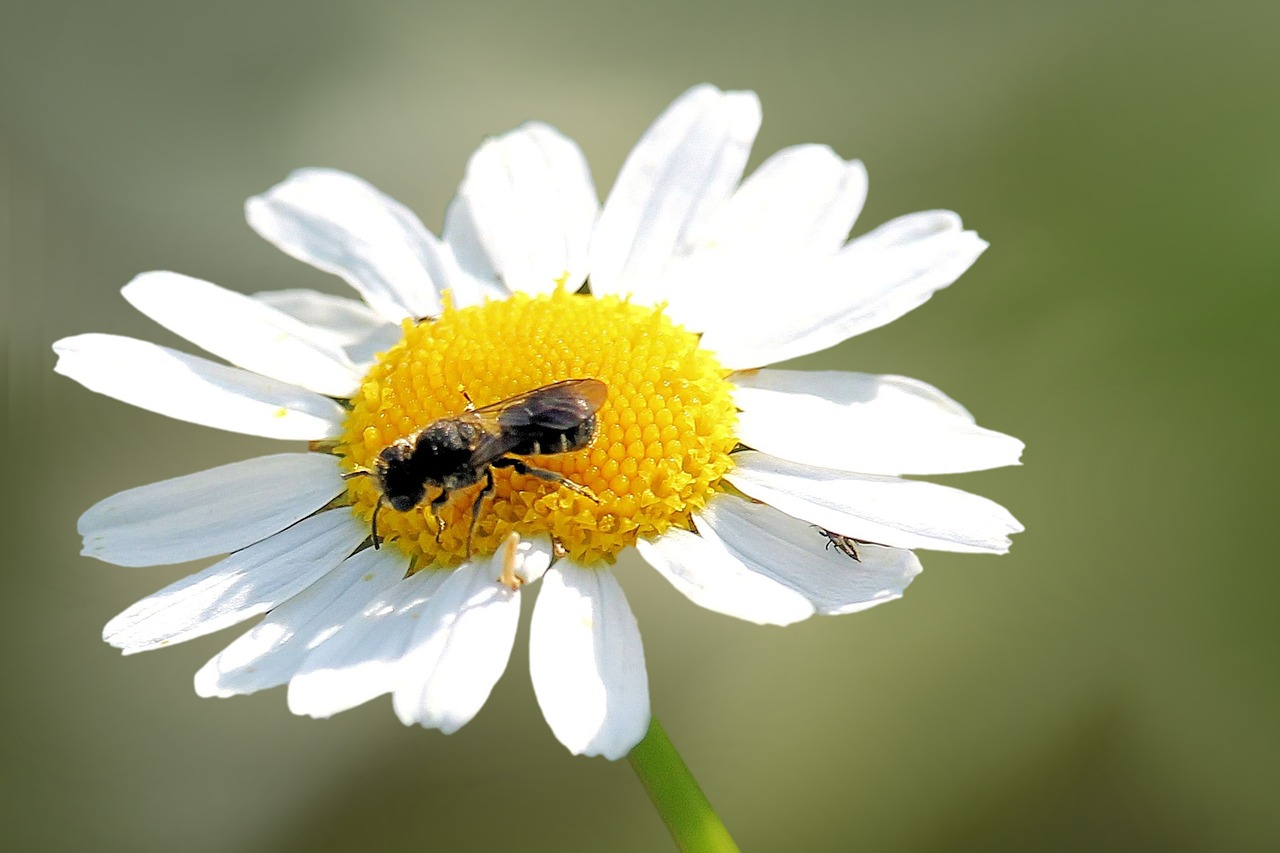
[
  {"x": 844, "y": 544},
  {"x": 458, "y": 452}
]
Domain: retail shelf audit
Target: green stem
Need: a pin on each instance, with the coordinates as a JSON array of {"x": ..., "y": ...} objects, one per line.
[{"x": 683, "y": 807}]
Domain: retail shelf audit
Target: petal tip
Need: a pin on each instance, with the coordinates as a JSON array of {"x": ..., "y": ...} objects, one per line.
[
  {"x": 69, "y": 346},
  {"x": 206, "y": 683},
  {"x": 618, "y": 747},
  {"x": 305, "y": 703},
  {"x": 145, "y": 279}
]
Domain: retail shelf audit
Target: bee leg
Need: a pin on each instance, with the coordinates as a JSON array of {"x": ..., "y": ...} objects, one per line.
[
  {"x": 437, "y": 502},
  {"x": 522, "y": 467},
  {"x": 471, "y": 406},
  {"x": 373, "y": 533},
  {"x": 475, "y": 506}
]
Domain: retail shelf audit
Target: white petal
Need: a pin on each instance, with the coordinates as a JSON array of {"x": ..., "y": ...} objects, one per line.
[
  {"x": 247, "y": 583},
  {"x": 683, "y": 168},
  {"x": 885, "y": 510},
  {"x": 270, "y": 653},
  {"x": 872, "y": 281},
  {"x": 870, "y": 424},
  {"x": 194, "y": 389},
  {"x": 802, "y": 200},
  {"x": 797, "y": 555},
  {"x": 463, "y": 642},
  {"x": 216, "y": 511},
  {"x": 362, "y": 660},
  {"x": 587, "y": 662},
  {"x": 343, "y": 225},
  {"x": 532, "y": 205},
  {"x": 477, "y": 278},
  {"x": 244, "y": 331},
  {"x": 459, "y": 651},
  {"x": 347, "y": 323},
  {"x": 786, "y": 220},
  {"x": 711, "y": 576}
]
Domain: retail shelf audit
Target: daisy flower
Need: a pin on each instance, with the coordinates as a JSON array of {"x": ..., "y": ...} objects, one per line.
[{"x": 769, "y": 495}]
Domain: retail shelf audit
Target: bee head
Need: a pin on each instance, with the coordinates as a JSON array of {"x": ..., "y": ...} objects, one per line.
[{"x": 398, "y": 478}]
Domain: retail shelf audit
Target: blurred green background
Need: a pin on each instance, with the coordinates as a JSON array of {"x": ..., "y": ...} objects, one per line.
[{"x": 1112, "y": 684}]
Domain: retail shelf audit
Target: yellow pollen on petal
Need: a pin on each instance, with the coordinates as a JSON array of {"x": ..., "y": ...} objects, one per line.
[{"x": 661, "y": 445}]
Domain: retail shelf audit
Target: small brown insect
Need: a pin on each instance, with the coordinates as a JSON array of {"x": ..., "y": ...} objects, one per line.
[
  {"x": 457, "y": 452},
  {"x": 844, "y": 544}
]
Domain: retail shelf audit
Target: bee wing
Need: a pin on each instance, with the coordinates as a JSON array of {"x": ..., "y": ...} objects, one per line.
[
  {"x": 560, "y": 406},
  {"x": 493, "y": 444}
]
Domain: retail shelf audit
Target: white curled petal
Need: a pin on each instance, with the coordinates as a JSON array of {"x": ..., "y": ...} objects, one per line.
[
  {"x": 271, "y": 652},
  {"x": 343, "y": 225},
  {"x": 906, "y": 232},
  {"x": 874, "y": 280},
  {"x": 194, "y": 389},
  {"x": 887, "y": 510},
  {"x": 249, "y": 582},
  {"x": 587, "y": 662},
  {"x": 527, "y": 559},
  {"x": 683, "y": 168},
  {"x": 363, "y": 659},
  {"x": 344, "y": 319},
  {"x": 865, "y": 423},
  {"x": 346, "y": 323},
  {"x": 244, "y": 331},
  {"x": 802, "y": 200},
  {"x": 710, "y": 576},
  {"x": 216, "y": 511},
  {"x": 797, "y": 556},
  {"x": 532, "y": 205}
]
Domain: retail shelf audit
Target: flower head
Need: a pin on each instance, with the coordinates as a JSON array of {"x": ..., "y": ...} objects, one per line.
[{"x": 658, "y": 310}]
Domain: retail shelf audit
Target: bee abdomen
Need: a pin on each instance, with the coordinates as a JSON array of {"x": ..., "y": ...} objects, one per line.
[{"x": 549, "y": 441}]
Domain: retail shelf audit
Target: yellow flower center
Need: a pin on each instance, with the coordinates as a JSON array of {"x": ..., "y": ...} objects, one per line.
[{"x": 660, "y": 449}]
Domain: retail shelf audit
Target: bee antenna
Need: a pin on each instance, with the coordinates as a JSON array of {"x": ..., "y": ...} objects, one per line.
[
  {"x": 377, "y": 542},
  {"x": 359, "y": 472}
]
